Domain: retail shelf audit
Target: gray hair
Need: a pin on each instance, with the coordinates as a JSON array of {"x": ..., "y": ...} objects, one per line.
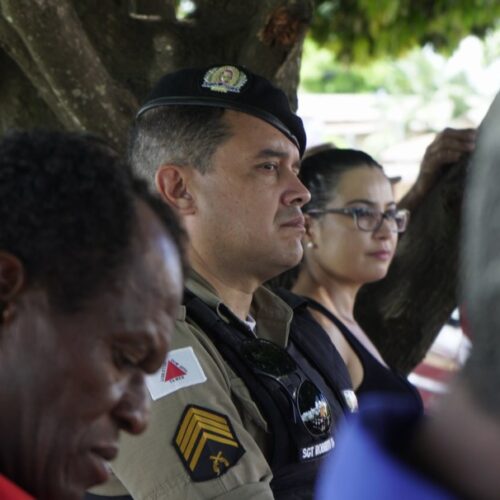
[{"x": 182, "y": 135}]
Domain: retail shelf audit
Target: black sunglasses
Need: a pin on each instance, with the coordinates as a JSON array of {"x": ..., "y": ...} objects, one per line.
[{"x": 311, "y": 407}]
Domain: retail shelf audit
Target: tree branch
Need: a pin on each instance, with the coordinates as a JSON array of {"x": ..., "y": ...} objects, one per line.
[
  {"x": 152, "y": 10},
  {"x": 63, "y": 54},
  {"x": 15, "y": 48},
  {"x": 265, "y": 36}
]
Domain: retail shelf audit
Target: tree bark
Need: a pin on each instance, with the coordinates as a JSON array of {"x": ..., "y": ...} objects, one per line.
[
  {"x": 404, "y": 312},
  {"x": 91, "y": 63},
  {"x": 82, "y": 93},
  {"x": 86, "y": 65}
]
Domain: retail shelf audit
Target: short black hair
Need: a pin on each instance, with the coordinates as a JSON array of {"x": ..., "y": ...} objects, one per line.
[
  {"x": 67, "y": 212},
  {"x": 167, "y": 217}
]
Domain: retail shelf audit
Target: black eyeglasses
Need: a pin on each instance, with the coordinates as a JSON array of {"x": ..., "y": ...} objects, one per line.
[
  {"x": 309, "y": 403},
  {"x": 370, "y": 220}
]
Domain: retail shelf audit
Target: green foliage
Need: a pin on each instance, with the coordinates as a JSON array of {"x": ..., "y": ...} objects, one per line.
[
  {"x": 320, "y": 72},
  {"x": 362, "y": 30},
  {"x": 445, "y": 89}
]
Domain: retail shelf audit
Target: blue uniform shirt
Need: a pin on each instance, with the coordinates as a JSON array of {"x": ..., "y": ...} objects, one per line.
[{"x": 365, "y": 464}]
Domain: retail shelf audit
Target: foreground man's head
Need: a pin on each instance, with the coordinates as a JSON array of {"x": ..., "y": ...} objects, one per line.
[{"x": 90, "y": 280}]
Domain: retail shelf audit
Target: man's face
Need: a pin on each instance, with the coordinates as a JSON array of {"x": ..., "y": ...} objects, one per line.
[
  {"x": 248, "y": 205},
  {"x": 78, "y": 379}
]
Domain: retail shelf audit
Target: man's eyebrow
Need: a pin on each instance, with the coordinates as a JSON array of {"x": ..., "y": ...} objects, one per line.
[
  {"x": 268, "y": 152},
  {"x": 368, "y": 202}
]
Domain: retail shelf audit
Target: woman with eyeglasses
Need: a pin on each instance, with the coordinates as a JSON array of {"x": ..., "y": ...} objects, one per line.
[{"x": 353, "y": 224}]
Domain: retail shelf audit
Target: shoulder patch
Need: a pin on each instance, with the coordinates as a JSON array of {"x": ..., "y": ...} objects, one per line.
[
  {"x": 206, "y": 443},
  {"x": 180, "y": 369}
]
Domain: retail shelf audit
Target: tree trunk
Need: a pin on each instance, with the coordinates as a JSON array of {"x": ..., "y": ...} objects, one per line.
[
  {"x": 404, "y": 312},
  {"x": 87, "y": 65}
]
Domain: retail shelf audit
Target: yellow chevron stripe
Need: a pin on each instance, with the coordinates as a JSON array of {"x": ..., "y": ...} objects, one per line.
[
  {"x": 183, "y": 436},
  {"x": 198, "y": 423},
  {"x": 206, "y": 437},
  {"x": 201, "y": 413},
  {"x": 202, "y": 428}
]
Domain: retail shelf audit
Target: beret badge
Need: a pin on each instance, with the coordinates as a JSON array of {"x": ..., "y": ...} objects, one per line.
[{"x": 224, "y": 79}]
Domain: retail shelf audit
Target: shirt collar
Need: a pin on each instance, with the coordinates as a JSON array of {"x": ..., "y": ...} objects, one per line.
[{"x": 272, "y": 315}]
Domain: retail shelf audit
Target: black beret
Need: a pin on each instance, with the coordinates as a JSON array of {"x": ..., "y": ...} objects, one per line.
[{"x": 231, "y": 87}]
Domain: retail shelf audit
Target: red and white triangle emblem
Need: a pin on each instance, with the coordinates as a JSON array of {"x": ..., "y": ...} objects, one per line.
[
  {"x": 181, "y": 369},
  {"x": 174, "y": 370}
]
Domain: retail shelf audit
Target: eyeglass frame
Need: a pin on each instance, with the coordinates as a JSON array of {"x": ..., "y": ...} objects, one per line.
[{"x": 353, "y": 212}]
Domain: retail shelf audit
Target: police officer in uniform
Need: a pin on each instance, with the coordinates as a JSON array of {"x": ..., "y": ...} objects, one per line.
[{"x": 246, "y": 405}]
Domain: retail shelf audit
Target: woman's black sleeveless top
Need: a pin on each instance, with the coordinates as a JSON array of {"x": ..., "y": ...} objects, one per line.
[{"x": 376, "y": 377}]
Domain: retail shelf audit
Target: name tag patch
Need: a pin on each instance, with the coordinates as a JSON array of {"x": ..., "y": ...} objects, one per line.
[
  {"x": 315, "y": 451},
  {"x": 181, "y": 369}
]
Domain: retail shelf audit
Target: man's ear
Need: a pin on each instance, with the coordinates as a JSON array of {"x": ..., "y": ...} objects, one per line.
[
  {"x": 12, "y": 276},
  {"x": 173, "y": 184}
]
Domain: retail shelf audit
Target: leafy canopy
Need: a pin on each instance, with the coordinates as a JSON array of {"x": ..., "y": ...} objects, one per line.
[{"x": 359, "y": 30}]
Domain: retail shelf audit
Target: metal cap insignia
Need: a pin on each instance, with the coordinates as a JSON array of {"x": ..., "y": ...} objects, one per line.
[{"x": 224, "y": 79}]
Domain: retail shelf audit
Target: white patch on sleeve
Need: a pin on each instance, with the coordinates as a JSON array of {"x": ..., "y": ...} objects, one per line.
[{"x": 181, "y": 369}]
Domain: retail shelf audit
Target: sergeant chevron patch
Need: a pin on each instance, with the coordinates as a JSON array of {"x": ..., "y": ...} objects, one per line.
[{"x": 206, "y": 443}]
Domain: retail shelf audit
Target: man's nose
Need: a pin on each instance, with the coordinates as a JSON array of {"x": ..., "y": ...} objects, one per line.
[
  {"x": 296, "y": 193},
  {"x": 132, "y": 411}
]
